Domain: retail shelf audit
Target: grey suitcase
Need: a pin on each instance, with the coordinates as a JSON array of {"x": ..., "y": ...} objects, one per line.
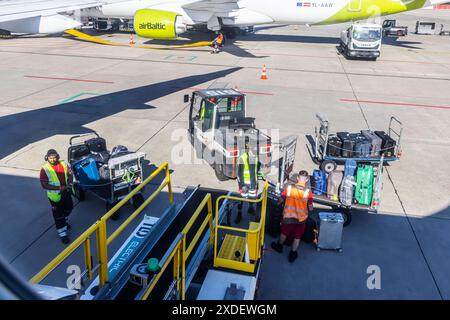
[
  {"x": 374, "y": 140},
  {"x": 347, "y": 190},
  {"x": 330, "y": 231},
  {"x": 334, "y": 181}
]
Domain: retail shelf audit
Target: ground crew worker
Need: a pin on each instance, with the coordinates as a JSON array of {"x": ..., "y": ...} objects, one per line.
[
  {"x": 217, "y": 42},
  {"x": 248, "y": 170},
  {"x": 298, "y": 204},
  {"x": 56, "y": 177}
]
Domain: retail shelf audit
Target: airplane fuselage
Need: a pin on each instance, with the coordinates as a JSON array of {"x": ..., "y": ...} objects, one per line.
[
  {"x": 329, "y": 11},
  {"x": 253, "y": 12}
]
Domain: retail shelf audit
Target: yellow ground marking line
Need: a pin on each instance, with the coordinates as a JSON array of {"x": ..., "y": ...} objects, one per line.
[{"x": 87, "y": 37}]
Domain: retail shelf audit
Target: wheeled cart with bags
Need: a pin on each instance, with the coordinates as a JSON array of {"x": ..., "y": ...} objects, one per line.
[
  {"x": 357, "y": 188},
  {"x": 366, "y": 146},
  {"x": 109, "y": 176}
]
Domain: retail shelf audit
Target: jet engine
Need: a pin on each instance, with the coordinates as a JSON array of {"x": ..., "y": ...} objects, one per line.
[{"x": 157, "y": 24}]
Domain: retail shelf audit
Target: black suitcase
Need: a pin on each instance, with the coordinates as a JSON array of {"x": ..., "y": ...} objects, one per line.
[
  {"x": 348, "y": 144},
  {"x": 387, "y": 145},
  {"x": 101, "y": 157},
  {"x": 96, "y": 144},
  {"x": 334, "y": 146},
  {"x": 275, "y": 216},
  {"x": 77, "y": 152},
  {"x": 310, "y": 234}
]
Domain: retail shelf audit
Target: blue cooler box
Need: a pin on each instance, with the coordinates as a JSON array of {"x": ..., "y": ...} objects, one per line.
[{"x": 86, "y": 172}]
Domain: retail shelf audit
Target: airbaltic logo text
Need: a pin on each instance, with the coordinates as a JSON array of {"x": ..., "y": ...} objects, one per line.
[
  {"x": 314, "y": 4},
  {"x": 152, "y": 26}
]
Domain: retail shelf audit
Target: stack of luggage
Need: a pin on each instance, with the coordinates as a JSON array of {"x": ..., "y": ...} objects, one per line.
[
  {"x": 366, "y": 144},
  {"x": 353, "y": 185},
  {"x": 90, "y": 162},
  {"x": 86, "y": 159}
]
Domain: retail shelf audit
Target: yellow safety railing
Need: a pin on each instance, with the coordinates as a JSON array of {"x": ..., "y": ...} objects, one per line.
[
  {"x": 179, "y": 253},
  {"x": 254, "y": 247},
  {"x": 99, "y": 227}
]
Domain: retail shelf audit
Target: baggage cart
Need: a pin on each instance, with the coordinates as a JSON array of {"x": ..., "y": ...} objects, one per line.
[
  {"x": 428, "y": 28},
  {"x": 107, "y": 176},
  {"x": 328, "y": 161},
  {"x": 348, "y": 209}
]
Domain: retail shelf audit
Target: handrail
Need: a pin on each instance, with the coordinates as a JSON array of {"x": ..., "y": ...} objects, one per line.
[
  {"x": 60, "y": 257},
  {"x": 398, "y": 134},
  {"x": 242, "y": 266},
  {"x": 135, "y": 213},
  {"x": 206, "y": 201},
  {"x": 168, "y": 257},
  {"x": 178, "y": 252},
  {"x": 99, "y": 227}
]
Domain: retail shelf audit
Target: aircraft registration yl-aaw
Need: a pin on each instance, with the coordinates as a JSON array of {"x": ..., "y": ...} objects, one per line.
[{"x": 165, "y": 19}]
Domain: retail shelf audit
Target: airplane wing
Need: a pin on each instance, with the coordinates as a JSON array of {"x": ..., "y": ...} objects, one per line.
[
  {"x": 21, "y": 9},
  {"x": 230, "y": 12},
  {"x": 43, "y": 16}
]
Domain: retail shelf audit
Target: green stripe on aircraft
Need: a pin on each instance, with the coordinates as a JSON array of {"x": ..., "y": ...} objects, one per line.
[{"x": 363, "y": 9}]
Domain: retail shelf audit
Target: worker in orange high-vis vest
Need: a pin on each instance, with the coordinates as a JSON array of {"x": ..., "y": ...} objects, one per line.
[
  {"x": 297, "y": 205},
  {"x": 56, "y": 177},
  {"x": 217, "y": 43}
]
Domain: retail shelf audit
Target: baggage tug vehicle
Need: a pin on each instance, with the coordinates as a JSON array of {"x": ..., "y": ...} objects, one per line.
[{"x": 219, "y": 128}]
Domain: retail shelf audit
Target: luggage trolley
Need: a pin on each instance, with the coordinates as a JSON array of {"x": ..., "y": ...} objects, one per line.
[
  {"x": 322, "y": 143},
  {"x": 346, "y": 210},
  {"x": 109, "y": 176}
]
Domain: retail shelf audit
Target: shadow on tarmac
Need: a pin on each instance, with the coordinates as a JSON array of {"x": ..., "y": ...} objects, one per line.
[
  {"x": 413, "y": 264},
  {"x": 71, "y": 118},
  {"x": 412, "y": 252},
  {"x": 394, "y": 41}
]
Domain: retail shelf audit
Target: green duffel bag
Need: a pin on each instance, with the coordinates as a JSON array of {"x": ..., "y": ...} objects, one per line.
[{"x": 364, "y": 185}]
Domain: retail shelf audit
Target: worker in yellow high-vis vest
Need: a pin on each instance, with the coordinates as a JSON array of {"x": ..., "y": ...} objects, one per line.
[
  {"x": 248, "y": 170},
  {"x": 56, "y": 177}
]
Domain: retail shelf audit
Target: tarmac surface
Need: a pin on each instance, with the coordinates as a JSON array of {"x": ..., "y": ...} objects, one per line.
[{"x": 55, "y": 87}]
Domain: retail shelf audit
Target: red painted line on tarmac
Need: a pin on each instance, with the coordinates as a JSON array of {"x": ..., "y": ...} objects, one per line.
[
  {"x": 246, "y": 92},
  {"x": 397, "y": 104},
  {"x": 68, "y": 79}
]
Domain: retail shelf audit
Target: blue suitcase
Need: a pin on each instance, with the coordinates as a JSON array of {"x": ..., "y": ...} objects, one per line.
[
  {"x": 319, "y": 182},
  {"x": 350, "y": 168}
]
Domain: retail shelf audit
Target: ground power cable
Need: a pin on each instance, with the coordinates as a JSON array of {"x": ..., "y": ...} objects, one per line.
[
  {"x": 354, "y": 93},
  {"x": 398, "y": 195},
  {"x": 415, "y": 235}
]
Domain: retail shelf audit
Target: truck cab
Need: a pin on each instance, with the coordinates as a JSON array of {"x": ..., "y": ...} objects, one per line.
[
  {"x": 219, "y": 127},
  {"x": 390, "y": 29},
  {"x": 362, "y": 41}
]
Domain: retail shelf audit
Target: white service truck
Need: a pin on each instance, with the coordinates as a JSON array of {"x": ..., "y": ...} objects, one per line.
[{"x": 361, "y": 41}]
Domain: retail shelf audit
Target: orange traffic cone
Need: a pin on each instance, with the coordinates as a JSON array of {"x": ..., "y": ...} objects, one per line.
[
  {"x": 131, "y": 40},
  {"x": 264, "y": 73}
]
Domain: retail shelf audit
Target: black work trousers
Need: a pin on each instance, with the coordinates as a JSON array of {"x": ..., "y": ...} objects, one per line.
[{"x": 61, "y": 210}]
